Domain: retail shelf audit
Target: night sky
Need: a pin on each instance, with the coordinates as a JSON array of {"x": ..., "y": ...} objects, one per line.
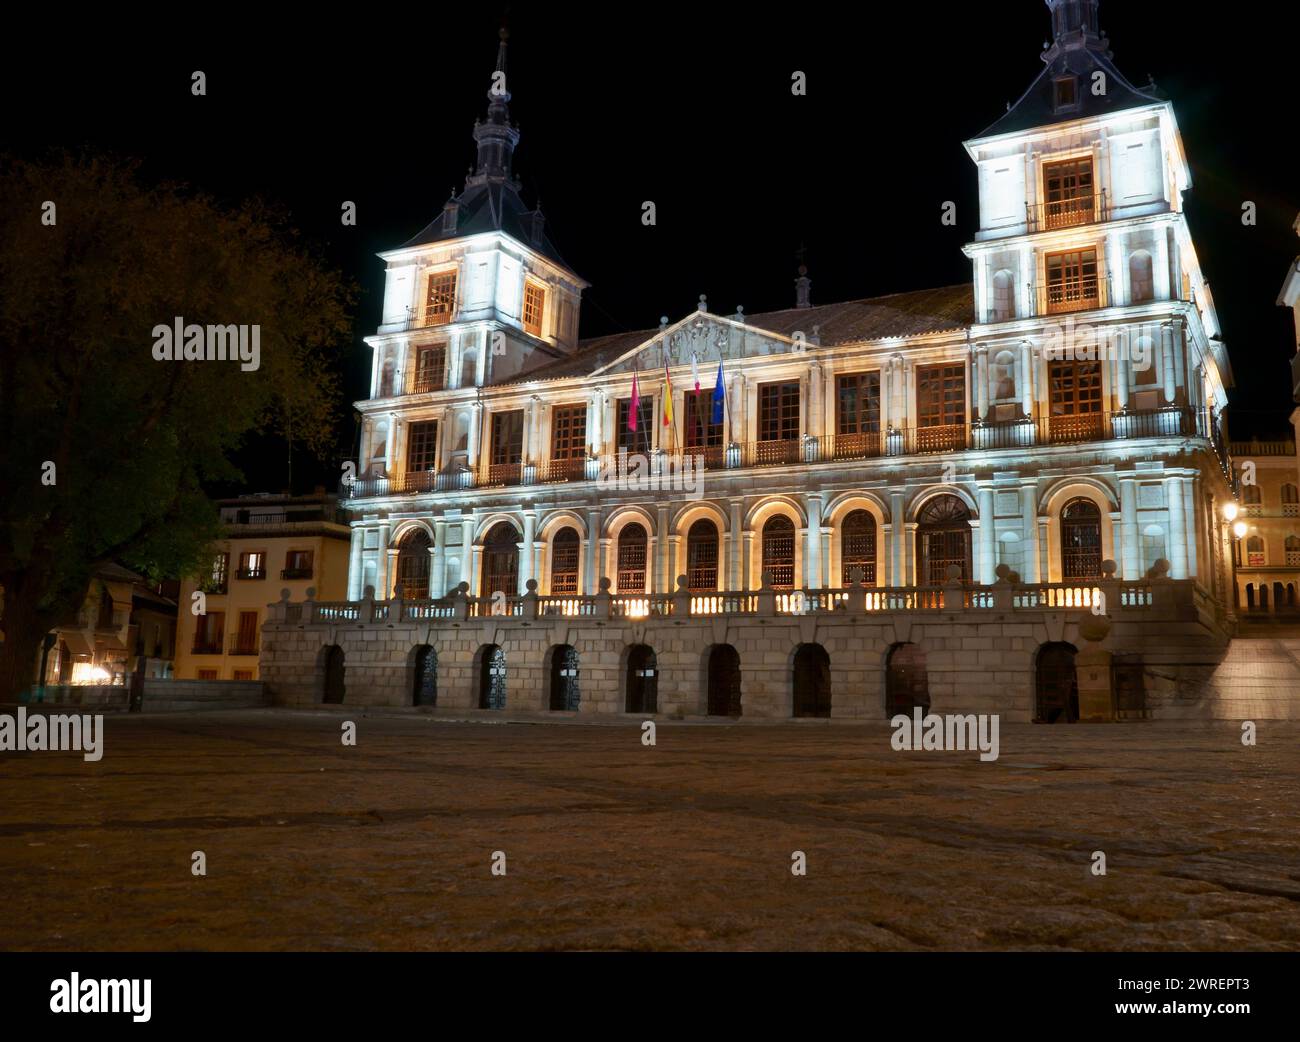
[{"x": 692, "y": 110}]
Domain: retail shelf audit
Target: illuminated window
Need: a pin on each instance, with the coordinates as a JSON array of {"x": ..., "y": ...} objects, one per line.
[
  {"x": 778, "y": 552},
  {"x": 1072, "y": 281},
  {"x": 1255, "y": 552},
  {"x": 632, "y": 542},
  {"x": 858, "y": 403},
  {"x": 297, "y": 565},
  {"x": 702, "y": 556},
  {"x": 534, "y": 305},
  {"x": 569, "y": 432},
  {"x": 1292, "y": 551},
  {"x": 216, "y": 580},
  {"x": 440, "y": 299},
  {"x": 778, "y": 412},
  {"x": 564, "y": 561},
  {"x": 858, "y": 549},
  {"x": 252, "y": 565},
  {"x": 430, "y": 368},
  {"x": 639, "y": 439},
  {"x": 422, "y": 446}
]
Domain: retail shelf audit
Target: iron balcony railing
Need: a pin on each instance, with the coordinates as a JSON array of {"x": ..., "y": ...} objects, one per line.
[
  {"x": 1067, "y": 211},
  {"x": 295, "y": 573},
  {"x": 250, "y": 573},
  {"x": 243, "y": 647},
  {"x": 1067, "y": 295},
  {"x": 1061, "y": 429}
]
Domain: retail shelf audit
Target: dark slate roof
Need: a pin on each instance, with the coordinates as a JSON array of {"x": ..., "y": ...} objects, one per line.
[
  {"x": 1036, "y": 107},
  {"x": 487, "y": 207},
  {"x": 911, "y": 314}
]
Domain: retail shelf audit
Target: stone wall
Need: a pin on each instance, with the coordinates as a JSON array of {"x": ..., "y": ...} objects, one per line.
[{"x": 977, "y": 661}]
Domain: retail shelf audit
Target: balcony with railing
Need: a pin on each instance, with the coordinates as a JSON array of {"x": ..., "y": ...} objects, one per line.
[
  {"x": 1068, "y": 211},
  {"x": 1074, "y": 429},
  {"x": 296, "y": 573},
  {"x": 251, "y": 573},
  {"x": 1062, "y": 296},
  {"x": 243, "y": 646}
]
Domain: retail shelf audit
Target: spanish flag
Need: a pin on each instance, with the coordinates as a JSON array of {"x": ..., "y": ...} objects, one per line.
[{"x": 668, "y": 397}]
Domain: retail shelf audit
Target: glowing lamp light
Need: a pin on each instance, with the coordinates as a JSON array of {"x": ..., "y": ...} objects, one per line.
[
  {"x": 1230, "y": 511},
  {"x": 1240, "y": 529}
]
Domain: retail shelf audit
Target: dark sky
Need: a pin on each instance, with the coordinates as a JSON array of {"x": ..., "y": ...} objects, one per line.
[{"x": 691, "y": 109}]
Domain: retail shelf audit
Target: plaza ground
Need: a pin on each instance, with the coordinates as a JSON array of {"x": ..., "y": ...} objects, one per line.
[{"x": 611, "y": 845}]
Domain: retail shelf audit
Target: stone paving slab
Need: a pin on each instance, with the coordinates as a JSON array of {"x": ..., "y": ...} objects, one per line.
[{"x": 613, "y": 845}]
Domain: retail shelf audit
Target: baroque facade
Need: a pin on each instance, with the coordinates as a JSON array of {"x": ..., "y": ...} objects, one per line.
[{"x": 1055, "y": 427}]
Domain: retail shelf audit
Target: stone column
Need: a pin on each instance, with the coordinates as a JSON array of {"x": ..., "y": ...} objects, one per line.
[
  {"x": 813, "y": 424},
  {"x": 1029, "y": 532},
  {"x": 748, "y": 567},
  {"x": 592, "y": 579},
  {"x": 1189, "y": 513},
  {"x": 391, "y": 583},
  {"x": 735, "y": 548},
  {"x": 898, "y": 541},
  {"x": 355, "y": 582},
  {"x": 475, "y": 434},
  {"x": 526, "y": 550},
  {"x": 1167, "y": 360},
  {"x": 390, "y": 446},
  {"x": 988, "y": 531},
  {"x": 1162, "y": 288},
  {"x": 438, "y": 563},
  {"x": 982, "y": 379},
  {"x": 1129, "y": 561},
  {"x": 1179, "y": 333},
  {"x": 468, "y": 573},
  {"x": 671, "y": 558},
  {"x": 666, "y": 583},
  {"x": 812, "y": 568},
  {"x": 1123, "y": 366},
  {"x": 1177, "y": 541},
  {"x": 381, "y": 566}
]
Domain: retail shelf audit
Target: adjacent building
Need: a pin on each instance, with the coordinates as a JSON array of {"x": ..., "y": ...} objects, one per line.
[{"x": 272, "y": 543}]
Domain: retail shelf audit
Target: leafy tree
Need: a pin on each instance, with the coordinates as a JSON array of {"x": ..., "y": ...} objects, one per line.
[{"x": 105, "y": 449}]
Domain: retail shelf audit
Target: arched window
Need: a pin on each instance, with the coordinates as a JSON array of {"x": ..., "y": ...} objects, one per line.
[
  {"x": 943, "y": 539},
  {"x": 1292, "y": 551},
  {"x": 1002, "y": 376},
  {"x": 858, "y": 549},
  {"x": 1251, "y": 495},
  {"x": 1080, "y": 540},
  {"x": 1255, "y": 552},
  {"x": 778, "y": 551},
  {"x": 413, "y": 566},
  {"x": 1290, "y": 500},
  {"x": 1140, "y": 277},
  {"x": 501, "y": 561},
  {"x": 632, "y": 541},
  {"x": 564, "y": 561},
  {"x": 702, "y": 556},
  {"x": 1004, "y": 301}
]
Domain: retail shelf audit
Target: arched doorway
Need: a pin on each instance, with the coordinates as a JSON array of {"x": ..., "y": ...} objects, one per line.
[
  {"x": 335, "y": 683},
  {"x": 778, "y": 551},
  {"x": 492, "y": 678},
  {"x": 564, "y": 562},
  {"x": 811, "y": 681},
  {"x": 413, "y": 565},
  {"x": 702, "y": 557},
  {"x": 907, "y": 685},
  {"x": 564, "y": 679},
  {"x": 1056, "y": 697},
  {"x": 632, "y": 542},
  {"x": 501, "y": 561},
  {"x": 1080, "y": 540},
  {"x": 642, "y": 680},
  {"x": 858, "y": 548},
  {"x": 942, "y": 539},
  {"x": 426, "y": 677},
  {"x": 724, "y": 681}
]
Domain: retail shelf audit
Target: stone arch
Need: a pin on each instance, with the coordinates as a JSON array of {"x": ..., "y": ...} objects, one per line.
[
  {"x": 640, "y": 673},
  {"x": 499, "y": 560},
  {"x": 491, "y": 521},
  {"x": 810, "y": 681},
  {"x": 1057, "y": 497},
  {"x": 422, "y": 675},
  {"x": 925, "y": 495},
  {"x": 681, "y": 526},
  {"x": 633, "y": 565},
  {"x": 839, "y": 509},
  {"x": 759, "y": 516},
  {"x": 413, "y": 564},
  {"x": 562, "y": 666},
  {"x": 553, "y": 525},
  {"x": 405, "y": 527},
  {"x": 703, "y": 567},
  {"x": 944, "y": 539}
]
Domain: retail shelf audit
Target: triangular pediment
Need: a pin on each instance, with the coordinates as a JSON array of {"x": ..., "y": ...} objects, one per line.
[{"x": 705, "y": 337}]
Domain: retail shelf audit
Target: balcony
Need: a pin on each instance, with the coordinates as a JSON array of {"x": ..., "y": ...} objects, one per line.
[
  {"x": 251, "y": 573},
  {"x": 243, "y": 646},
  {"x": 427, "y": 383},
  {"x": 1068, "y": 295},
  {"x": 1169, "y": 422},
  {"x": 296, "y": 573},
  {"x": 1069, "y": 211},
  {"x": 206, "y": 647}
]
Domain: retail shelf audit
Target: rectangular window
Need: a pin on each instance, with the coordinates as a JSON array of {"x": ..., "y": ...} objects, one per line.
[
  {"x": 216, "y": 578},
  {"x": 207, "y": 674},
  {"x": 242, "y": 674},
  {"x": 778, "y": 411},
  {"x": 1065, "y": 92},
  {"x": 569, "y": 432},
  {"x": 508, "y": 437},
  {"x": 858, "y": 404},
  {"x": 941, "y": 408},
  {"x": 642, "y": 438},
  {"x": 534, "y": 306},
  {"x": 430, "y": 368},
  {"x": 422, "y": 446},
  {"x": 440, "y": 298},
  {"x": 1072, "y": 281},
  {"x": 209, "y": 632},
  {"x": 700, "y": 432},
  {"x": 297, "y": 565},
  {"x": 245, "y": 642},
  {"x": 1067, "y": 193},
  {"x": 252, "y": 565}
]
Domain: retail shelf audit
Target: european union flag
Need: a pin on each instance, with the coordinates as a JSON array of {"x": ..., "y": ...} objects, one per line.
[{"x": 719, "y": 396}]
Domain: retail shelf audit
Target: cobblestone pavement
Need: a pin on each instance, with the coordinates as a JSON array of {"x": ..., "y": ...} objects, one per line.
[{"x": 613, "y": 845}]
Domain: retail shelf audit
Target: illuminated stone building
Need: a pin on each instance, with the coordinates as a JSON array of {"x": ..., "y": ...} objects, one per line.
[{"x": 1063, "y": 409}]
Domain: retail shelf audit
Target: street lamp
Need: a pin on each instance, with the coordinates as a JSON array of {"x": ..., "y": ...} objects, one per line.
[{"x": 1230, "y": 511}]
